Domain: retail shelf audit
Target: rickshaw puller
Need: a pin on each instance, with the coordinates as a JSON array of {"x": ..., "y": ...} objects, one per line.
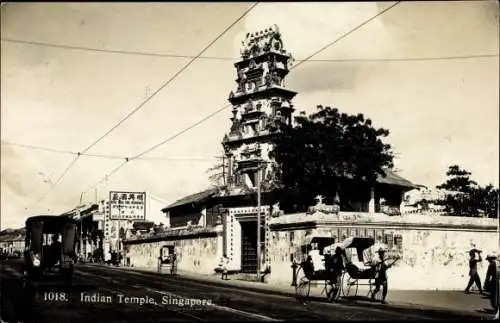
[
  {"x": 337, "y": 264},
  {"x": 381, "y": 277}
]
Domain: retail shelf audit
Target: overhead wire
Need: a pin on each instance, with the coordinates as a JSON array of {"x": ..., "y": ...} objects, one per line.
[
  {"x": 323, "y": 60},
  {"x": 144, "y": 102},
  {"x": 226, "y": 106},
  {"x": 136, "y": 109},
  {"x": 346, "y": 34},
  {"x": 103, "y": 156},
  {"x": 54, "y": 184}
]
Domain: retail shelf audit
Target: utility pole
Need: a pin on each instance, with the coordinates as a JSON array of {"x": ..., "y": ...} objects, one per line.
[
  {"x": 258, "y": 223},
  {"x": 119, "y": 225},
  {"x": 81, "y": 224},
  {"x": 224, "y": 170},
  {"x": 79, "y": 214}
]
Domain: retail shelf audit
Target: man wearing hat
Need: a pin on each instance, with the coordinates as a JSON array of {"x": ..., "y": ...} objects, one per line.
[
  {"x": 473, "y": 274},
  {"x": 491, "y": 280}
]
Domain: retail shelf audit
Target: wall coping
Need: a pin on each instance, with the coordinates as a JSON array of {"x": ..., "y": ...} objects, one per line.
[
  {"x": 420, "y": 221},
  {"x": 175, "y": 234}
]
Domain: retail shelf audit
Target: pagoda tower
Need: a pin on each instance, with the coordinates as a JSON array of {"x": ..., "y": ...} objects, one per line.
[{"x": 259, "y": 100}]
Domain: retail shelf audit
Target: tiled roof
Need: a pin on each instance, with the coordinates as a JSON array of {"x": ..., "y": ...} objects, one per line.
[
  {"x": 392, "y": 178},
  {"x": 199, "y": 197},
  {"x": 12, "y": 234},
  {"x": 173, "y": 234},
  {"x": 143, "y": 225}
]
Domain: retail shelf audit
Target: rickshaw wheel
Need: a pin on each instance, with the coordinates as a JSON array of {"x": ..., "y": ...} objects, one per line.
[
  {"x": 303, "y": 287},
  {"x": 338, "y": 289},
  {"x": 349, "y": 285}
]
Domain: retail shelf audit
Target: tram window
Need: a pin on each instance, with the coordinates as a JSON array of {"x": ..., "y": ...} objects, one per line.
[{"x": 47, "y": 238}]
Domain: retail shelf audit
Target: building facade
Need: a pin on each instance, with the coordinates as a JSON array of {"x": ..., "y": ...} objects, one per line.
[{"x": 12, "y": 241}]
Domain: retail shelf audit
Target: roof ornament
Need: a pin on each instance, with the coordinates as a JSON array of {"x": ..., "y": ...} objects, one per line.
[{"x": 262, "y": 41}]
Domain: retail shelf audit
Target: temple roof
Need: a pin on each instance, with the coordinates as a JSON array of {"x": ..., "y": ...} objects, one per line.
[{"x": 392, "y": 178}]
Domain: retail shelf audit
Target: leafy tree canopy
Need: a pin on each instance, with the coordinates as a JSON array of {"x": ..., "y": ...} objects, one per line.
[
  {"x": 474, "y": 200},
  {"x": 216, "y": 174},
  {"x": 458, "y": 180},
  {"x": 327, "y": 146}
]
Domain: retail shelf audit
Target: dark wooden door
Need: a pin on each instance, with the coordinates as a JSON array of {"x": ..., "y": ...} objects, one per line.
[{"x": 249, "y": 247}]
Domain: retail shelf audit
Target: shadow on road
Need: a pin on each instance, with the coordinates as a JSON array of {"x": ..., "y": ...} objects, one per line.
[{"x": 363, "y": 301}]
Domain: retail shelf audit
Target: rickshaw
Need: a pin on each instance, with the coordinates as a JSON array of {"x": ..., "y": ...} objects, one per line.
[
  {"x": 168, "y": 258},
  {"x": 315, "y": 270},
  {"x": 49, "y": 253},
  {"x": 359, "y": 268}
]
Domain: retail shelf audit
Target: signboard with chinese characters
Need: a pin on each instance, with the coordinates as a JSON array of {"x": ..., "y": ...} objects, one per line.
[{"x": 127, "y": 205}]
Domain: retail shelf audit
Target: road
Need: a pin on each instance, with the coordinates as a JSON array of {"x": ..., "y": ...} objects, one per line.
[{"x": 129, "y": 296}]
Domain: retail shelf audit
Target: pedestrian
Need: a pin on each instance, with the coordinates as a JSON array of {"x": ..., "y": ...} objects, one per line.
[
  {"x": 497, "y": 282},
  {"x": 223, "y": 265},
  {"x": 473, "y": 274},
  {"x": 491, "y": 280}
]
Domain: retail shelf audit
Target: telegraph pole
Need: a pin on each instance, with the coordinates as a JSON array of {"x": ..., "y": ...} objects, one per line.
[
  {"x": 81, "y": 224},
  {"x": 224, "y": 170},
  {"x": 118, "y": 219}
]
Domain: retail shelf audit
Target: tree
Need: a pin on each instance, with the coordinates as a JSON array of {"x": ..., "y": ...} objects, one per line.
[
  {"x": 326, "y": 147},
  {"x": 486, "y": 200},
  {"x": 458, "y": 180},
  {"x": 467, "y": 197},
  {"x": 217, "y": 175}
]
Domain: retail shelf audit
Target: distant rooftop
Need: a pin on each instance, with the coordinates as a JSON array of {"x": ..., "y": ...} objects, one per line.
[
  {"x": 392, "y": 178},
  {"x": 196, "y": 198}
]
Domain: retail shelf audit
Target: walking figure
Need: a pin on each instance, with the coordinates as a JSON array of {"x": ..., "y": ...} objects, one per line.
[
  {"x": 223, "y": 265},
  {"x": 473, "y": 274},
  {"x": 491, "y": 281}
]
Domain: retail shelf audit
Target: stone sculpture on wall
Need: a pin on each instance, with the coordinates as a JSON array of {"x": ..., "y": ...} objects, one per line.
[
  {"x": 323, "y": 208},
  {"x": 276, "y": 211}
]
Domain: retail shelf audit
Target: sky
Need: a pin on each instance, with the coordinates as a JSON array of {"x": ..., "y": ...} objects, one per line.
[{"x": 439, "y": 111}]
